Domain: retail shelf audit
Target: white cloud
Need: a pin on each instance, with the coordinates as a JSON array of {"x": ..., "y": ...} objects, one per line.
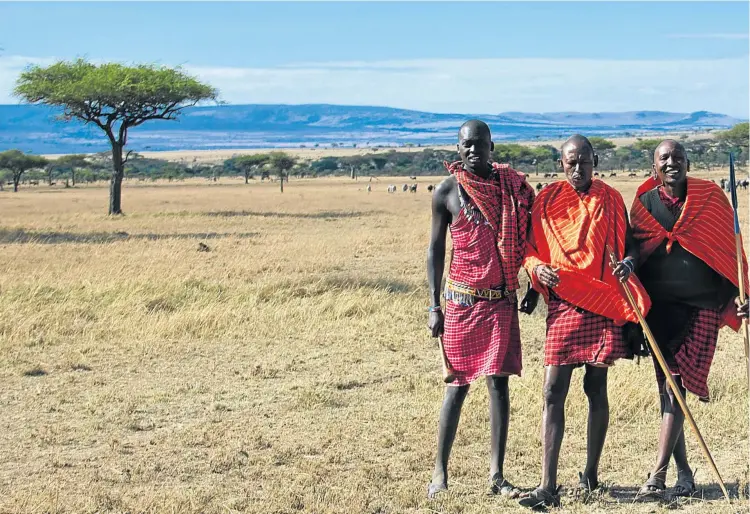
[{"x": 481, "y": 85}]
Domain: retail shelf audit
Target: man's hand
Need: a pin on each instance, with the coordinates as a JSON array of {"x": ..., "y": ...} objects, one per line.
[
  {"x": 435, "y": 323},
  {"x": 742, "y": 308},
  {"x": 529, "y": 301},
  {"x": 547, "y": 275},
  {"x": 623, "y": 269}
]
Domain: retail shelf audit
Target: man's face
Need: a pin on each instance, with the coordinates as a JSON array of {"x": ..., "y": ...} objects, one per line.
[
  {"x": 671, "y": 164},
  {"x": 578, "y": 162},
  {"x": 474, "y": 148}
]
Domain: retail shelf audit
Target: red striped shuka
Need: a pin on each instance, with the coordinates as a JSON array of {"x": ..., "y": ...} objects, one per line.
[
  {"x": 482, "y": 337},
  {"x": 571, "y": 231},
  {"x": 688, "y": 264}
]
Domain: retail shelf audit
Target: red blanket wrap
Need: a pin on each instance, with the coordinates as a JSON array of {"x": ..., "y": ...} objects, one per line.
[{"x": 705, "y": 229}]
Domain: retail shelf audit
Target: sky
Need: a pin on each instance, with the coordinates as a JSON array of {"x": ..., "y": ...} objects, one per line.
[{"x": 478, "y": 58}]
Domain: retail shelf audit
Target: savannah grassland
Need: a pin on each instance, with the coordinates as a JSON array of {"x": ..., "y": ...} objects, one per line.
[{"x": 287, "y": 370}]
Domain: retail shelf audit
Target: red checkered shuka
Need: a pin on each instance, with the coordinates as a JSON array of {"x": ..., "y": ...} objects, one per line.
[
  {"x": 576, "y": 336},
  {"x": 484, "y": 338},
  {"x": 693, "y": 358},
  {"x": 505, "y": 200}
]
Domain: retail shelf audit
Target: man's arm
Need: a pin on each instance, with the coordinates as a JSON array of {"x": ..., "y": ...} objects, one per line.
[
  {"x": 441, "y": 218},
  {"x": 632, "y": 252}
]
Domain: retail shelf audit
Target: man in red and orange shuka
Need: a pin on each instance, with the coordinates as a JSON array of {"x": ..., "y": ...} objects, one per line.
[
  {"x": 486, "y": 206},
  {"x": 689, "y": 267},
  {"x": 573, "y": 223}
]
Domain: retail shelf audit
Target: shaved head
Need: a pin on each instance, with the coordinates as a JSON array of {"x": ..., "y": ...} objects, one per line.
[
  {"x": 672, "y": 143},
  {"x": 476, "y": 127},
  {"x": 579, "y": 141},
  {"x": 475, "y": 147}
]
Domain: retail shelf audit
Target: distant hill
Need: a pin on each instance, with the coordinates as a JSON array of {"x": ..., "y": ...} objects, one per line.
[{"x": 33, "y": 128}]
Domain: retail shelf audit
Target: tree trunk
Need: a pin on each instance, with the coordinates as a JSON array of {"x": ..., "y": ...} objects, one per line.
[
  {"x": 73, "y": 176},
  {"x": 49, "y": 177},
  {"x": 16, "y": 180},
  {"x": 281, "y": 182},
  {"x": 115, "y": 184},
  {"x": 247, "y": 173}
]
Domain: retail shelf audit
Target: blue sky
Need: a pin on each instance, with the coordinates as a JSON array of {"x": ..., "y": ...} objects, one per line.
[{"x": 447, "y": 57}]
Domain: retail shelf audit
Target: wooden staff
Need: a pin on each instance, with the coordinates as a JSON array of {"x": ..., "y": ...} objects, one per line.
[
  {"x": 741, "y": 284},
  {"x": 656, "y": 352},
  {"x": 449, "y": 374}
]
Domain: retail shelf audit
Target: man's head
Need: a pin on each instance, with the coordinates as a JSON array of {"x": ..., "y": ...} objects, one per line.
[
  {"x": 475, "y": 145},
  {"x": 578, "y": 160},
  {"x": 671, "y": 164}
]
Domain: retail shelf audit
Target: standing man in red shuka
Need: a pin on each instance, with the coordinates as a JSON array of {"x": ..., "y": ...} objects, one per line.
[
  {"x": 574, "y": 222},
  {"x": 689, "y": 267},
  {"x": 486, "y": 206}
]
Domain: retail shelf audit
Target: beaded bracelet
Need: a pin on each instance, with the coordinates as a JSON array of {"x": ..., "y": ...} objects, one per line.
[{"x": 434, "y": 308}]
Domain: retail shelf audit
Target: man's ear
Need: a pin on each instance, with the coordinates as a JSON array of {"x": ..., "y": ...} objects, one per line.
[
  {"x": 596, "y": 160},
  {"x": 653, "y": 172},
  {"x": 559, "y": 163},
  {"x": 458, "y": 151},
  {"x": 688, "y": 166},
  {"x": 492, "y": 146}
]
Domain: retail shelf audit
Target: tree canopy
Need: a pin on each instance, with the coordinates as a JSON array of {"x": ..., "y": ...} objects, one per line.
[
  {"x": 18, "y": 163},
  {"x": 114, "y": 97}
]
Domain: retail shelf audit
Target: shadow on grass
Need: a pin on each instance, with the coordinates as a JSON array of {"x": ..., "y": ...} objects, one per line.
[
  {"x": 388, "y": 285},
  {"x": 294, "y": 215},
  {"x": 21, "y": 236},
  {"x": 704, "y": 492}
]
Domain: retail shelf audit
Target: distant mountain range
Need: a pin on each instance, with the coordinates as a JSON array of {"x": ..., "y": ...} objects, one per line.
[{"x": 34, "y": 129}]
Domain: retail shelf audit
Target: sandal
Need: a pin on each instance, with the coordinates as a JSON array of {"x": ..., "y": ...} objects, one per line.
[
  {"x": 540, "y": 499},
  {"x": 654, "y": 488},
  {"x": 584, "y": 487},
  {"x": 501, "y": 486},
  {"x": 685, "y": 485}
]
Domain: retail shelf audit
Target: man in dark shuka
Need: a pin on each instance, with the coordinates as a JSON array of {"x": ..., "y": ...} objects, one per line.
[
  {"x": 688, "y": 264},
  {"x": 486, "y": 206},
  {"x": 574, "y": 223}
]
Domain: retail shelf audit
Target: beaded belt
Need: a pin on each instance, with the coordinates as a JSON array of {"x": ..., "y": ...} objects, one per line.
[{"x": 465, "y": 295}]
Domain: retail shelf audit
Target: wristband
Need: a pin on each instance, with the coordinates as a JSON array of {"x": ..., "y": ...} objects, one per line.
[
  {"x": 434, "y": 308},
  {"x": 628, "y": 261}
]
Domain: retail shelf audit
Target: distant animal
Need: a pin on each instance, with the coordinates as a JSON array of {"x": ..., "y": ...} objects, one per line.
[
  {"x": 613, "y": 174},
  {"x": 547, "y": 175},
  {"x": 405, "y": 188},
  {"x": 632, "y": 174},
  {"x": 647, "y": 174},
  {"x": 202, "y": 247},
  {"x": 412, "y": 178},
  {"x": 369, "y": 188},
  {"x": 392, "y": 188},
  {"x": 413, "y": 188},
  {"x": 539, "y": 186},
  {"x": 596, "y": 173},
  {"x": 430, "y": 188},
  {"x": 554, "y": 175}
]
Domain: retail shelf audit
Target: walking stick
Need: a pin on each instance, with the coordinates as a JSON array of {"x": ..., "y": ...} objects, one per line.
[
  {"x": 449, "y": 375},
  {"x": 741, "y": 285},
  {"x": 670, "y": 379}
]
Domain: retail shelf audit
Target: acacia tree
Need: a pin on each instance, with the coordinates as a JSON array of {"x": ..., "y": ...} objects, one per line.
[
  {"x": 282, "y": 163},
  {"x": 19, "y": 163},
  {"x": 249, "y": 164},
  {"x": 70, "y": 164},
  {"x": 113, "y": 97}
]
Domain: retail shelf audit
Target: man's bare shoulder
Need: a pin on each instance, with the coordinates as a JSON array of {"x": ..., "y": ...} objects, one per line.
[{"x": 446, "y": 187}]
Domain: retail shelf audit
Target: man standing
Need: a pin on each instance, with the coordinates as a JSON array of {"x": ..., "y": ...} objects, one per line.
[
  {"x": 486, "y": 205},
  {"x": 573, "y": 223},
  {"x": 689, "y": 268}
]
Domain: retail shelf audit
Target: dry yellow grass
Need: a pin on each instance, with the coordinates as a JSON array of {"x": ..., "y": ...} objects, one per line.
[{"x": 289, "y": 369}]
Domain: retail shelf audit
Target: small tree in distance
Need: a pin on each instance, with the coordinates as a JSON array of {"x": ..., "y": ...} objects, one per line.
[
  {"x": 19, "y": 163},
  {"x": 249, "y": 164},
  {"x": 113, "y": 97},
  {"x": 282, "y": 163}
]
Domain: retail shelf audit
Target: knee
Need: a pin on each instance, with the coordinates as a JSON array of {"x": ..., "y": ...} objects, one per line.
[
  {"x": 456, "y": 394},
  {"x": 595, "y": 388},
  {"x": 498, "y": 386},
  {"x": 554, "y": 393}
]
